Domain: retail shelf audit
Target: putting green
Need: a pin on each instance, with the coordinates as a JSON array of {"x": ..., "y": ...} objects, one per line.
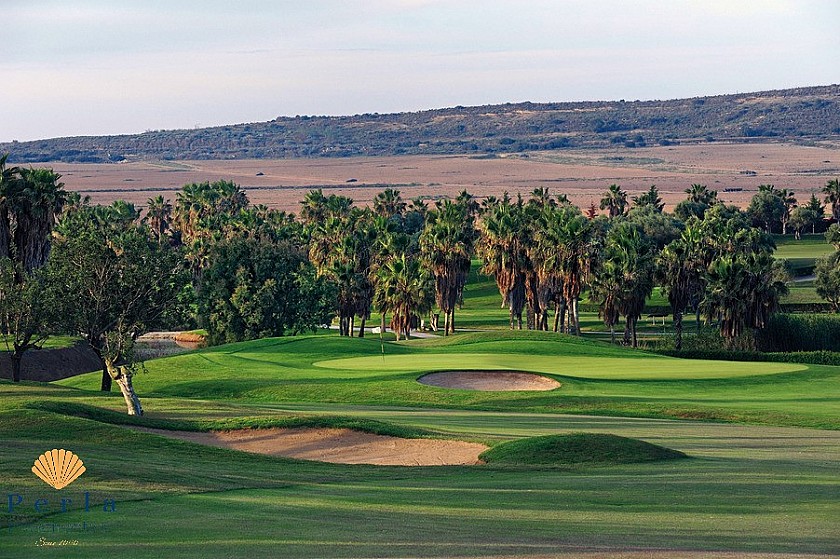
[{"x": 634, "y": 368}]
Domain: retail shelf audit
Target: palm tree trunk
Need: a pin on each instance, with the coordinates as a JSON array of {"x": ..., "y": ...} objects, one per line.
[
  {"x": 452, "y": 321},
  {"x": 633, "y": 328},
  {"x": 352, "y": 324},
  {"x": 556, "y": 316},
  {"x": 627, "y": 334},
  {"x": 445, "y": 323},
  {"x": 362, "y": 328},
  {"x": 678, "y": 330},
  {"x": 612, "y": 333}
]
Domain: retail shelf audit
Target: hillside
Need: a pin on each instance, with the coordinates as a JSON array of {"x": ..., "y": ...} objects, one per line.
[{"x": 802, "y": 114}]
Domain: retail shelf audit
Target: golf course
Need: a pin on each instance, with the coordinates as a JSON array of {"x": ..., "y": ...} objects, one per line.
[{"x": 742, "y": 460}]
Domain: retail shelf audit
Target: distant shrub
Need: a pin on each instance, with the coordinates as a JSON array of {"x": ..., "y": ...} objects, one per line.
[{"x": 800, "y": 332}]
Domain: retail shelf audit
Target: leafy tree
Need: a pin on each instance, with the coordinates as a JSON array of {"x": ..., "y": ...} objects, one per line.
[
  {"x": 766, "y": 207},
  {"x": 659, "y": 227},
  {"x": 650, "y": 198},
  {"x": 804, "y": 217},
  {"x": 615, "y": 201},
  {"x": 743, "y": 290},
  {"x": 258, "y": 288},
  {"x": 789, "y": 203},
  {"x": 27, "y": 310},
  {"x": 115, "y": 284},
  {"x": 817, "y": 210},
  {"x": 827, "y": 281}
]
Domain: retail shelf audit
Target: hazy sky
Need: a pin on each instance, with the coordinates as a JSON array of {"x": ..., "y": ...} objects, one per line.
[{"x": 89, "y": 67}]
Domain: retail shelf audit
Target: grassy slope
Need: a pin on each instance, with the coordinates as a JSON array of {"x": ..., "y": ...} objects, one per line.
[
  {"x": 596, "y": 378},
  {"x": 747, "y": 488}
]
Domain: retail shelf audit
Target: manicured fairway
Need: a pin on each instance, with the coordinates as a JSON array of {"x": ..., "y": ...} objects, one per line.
[{"x": 757, "y": 485}]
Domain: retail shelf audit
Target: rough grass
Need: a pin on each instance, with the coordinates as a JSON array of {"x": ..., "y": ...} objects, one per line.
[{"x": 577, "y": 448}]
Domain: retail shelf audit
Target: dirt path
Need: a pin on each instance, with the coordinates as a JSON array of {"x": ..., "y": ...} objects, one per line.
[
  {"x": 340, "y": 446},
  {"x": 501, "y": 381}
]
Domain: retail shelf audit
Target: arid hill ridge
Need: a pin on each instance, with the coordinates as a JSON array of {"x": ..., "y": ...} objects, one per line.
[{"x": 803, "y": 114}]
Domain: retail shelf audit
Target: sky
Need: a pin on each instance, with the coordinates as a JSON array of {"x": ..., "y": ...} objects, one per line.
[{"x": 91, "y": 67}]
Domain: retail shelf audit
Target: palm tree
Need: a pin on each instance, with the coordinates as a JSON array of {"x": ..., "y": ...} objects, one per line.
[
  {"x": 564, "y": 245},
  {"x": 743, "y": 290},
  {"x": 404, "y": 288},
  {"x": 614, "y": 200},
  {"x": 628, "y": 257},
  {"x": 313, "y": 207},
  {"x": 832, "y": 196},
  {"x": 41, "y": 198},
  {"x": 700, "y": 194},
  {"x": 679, "y": 271},
  {"x": 389, "y": 203},
  {"x": 789, "y": 202},
  {"x": 159, "y": 217},
  {"x": 447, "y": 246},
  {"x": 9, "y": 193},
  {"x": 503, "y": 254}
]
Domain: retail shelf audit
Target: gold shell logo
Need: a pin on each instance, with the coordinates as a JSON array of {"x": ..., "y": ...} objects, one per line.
[{"x": 58, "y": 467}]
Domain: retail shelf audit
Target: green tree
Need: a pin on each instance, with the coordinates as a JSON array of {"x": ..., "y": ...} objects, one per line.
[
  {"x": 679, "y": 271},
  {"x": 827, "y": 280},
  {"x": 650, "y": 199},
  {"x": 503, "y": 252},
  {"x": 257, "y": 288},
  {"x": 766, "y": 207},
  {"x": 447, "y": 247},
  {"x": 116, "y": 282},
  {"x": 615, "y": 201},
  {"x": 27, "y": 310},
  {"x": 406, "y": 290},
  {"x": 832, "y": 196},
  {"x": 159, "y": 218}
]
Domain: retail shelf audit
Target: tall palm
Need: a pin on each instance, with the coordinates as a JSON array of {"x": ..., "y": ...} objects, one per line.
[
  {"x": 564, "y": 243},
  {"x": 832, "y": 196},
  {"x": 679, "y": 271},
  {"x": 404, "y": 289},
  {"x": 41, "y": 199},
  {"x": 159, "y": 217},
  {"x": 615, "y": 201},
  {"x": 389, "y": 203},
  {"x": 446, "y": 243},
  {"x": 503, "y": 255},
  {"x": 700, "y": 194},
  {"x": 789, "y": 202},
  {"x": 9, "y": 192}
]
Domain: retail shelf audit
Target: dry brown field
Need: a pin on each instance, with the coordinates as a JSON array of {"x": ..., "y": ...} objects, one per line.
[{"x": 734, "y": 170}]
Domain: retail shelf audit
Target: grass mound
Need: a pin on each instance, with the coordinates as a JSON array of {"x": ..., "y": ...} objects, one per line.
[{"x": 577, "y": 448}]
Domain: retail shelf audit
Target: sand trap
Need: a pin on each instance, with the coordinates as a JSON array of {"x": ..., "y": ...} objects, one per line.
[
  {"x": 489, "y": 380},
  {"x": 341, "y": 446}
]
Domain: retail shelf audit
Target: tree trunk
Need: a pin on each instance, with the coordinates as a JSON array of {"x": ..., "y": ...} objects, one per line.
[
  {"x": 633, "y": 328},
  {"x": 351, "y": 325},
  {"x": 362, "y": 328},
  {"x": 445, "y": 323},
  {"x": 627, "y": 334},
  {"x": 556, "y": 316},
  {"x": 122, "y": 375},
  {"x": 382, "y": 323},
  {"x": 612, "y": 333},
  {"x": 16, "y": 359},
  {"x": 452, "y": 321},
  {"x": 677, "y": 330}
]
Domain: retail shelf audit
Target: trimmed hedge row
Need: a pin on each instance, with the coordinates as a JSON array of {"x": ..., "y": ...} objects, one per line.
[{"x": 810, "y": 357}]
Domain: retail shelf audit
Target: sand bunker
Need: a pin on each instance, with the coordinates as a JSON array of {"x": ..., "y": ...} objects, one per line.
[
  {"x": 341, "y": 446},
  {"x": 489, "y": 380}
]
